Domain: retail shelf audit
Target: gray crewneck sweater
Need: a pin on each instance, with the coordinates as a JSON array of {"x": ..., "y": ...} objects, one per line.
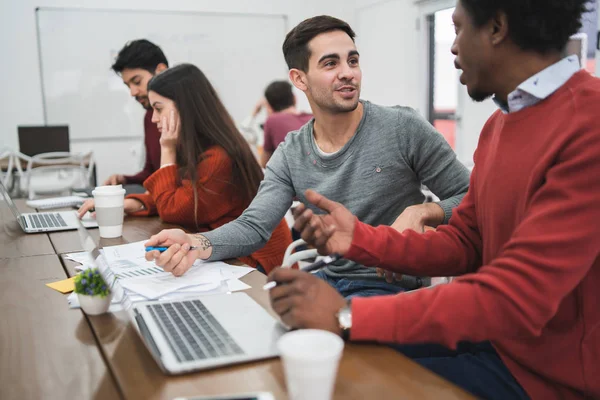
[{"x": 376, "y": 175}]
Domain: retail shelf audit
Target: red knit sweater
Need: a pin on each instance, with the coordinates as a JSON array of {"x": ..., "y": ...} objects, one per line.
[
  {"x": 218, "y": 204},
  {"x": 526, "y": 240}
]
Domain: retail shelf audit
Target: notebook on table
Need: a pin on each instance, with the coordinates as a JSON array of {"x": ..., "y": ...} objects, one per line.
[{"x": 56, "y": 202}]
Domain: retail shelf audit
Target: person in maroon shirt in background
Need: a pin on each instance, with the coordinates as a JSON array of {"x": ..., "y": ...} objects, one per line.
[
  {"x": 280, "y": 103},
  {"x": 522, "y": 319},
  {"x": 137, "y": 63}
]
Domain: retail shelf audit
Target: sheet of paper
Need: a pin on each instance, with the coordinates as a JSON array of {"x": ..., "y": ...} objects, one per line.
[
  {"x": 235, "y": 285},
  {"x": 64, "y": 286},
  {"x": 132, "y": 251},
  {"x": 155, "y": 288},
  {"x": 83, "y": 257}
]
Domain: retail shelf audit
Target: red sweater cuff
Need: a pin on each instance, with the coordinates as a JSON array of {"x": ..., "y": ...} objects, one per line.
[
  {"x": 364, "y": 244},
  {"x": 373, "y": 319}
]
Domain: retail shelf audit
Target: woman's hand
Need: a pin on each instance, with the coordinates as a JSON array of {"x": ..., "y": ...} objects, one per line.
[
  {"x": 169, "y": 131},
  {"x": 129, "y": 206}
]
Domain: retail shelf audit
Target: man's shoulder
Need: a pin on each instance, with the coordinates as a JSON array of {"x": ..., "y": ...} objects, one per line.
[
  {"x": 393, "y": 112},
  {"x": 395, "y": 122}
]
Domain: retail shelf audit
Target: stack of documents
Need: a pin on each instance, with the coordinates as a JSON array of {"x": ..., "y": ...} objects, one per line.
[{"x": 134, "y": 279}]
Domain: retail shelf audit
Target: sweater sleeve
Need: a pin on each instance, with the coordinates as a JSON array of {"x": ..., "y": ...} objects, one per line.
[
  {"x": 251, "y": 231},
  {"x": 433, "y": 161},
  {"x": 518, "y": 292},
  {"x": 175, "y": 202},
  {"x": 148, "y": 202}
]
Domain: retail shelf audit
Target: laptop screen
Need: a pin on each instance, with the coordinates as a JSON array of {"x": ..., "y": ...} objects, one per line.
[
  {"x": 34, "y": 140},
  {"x": 12, "y": 205}
]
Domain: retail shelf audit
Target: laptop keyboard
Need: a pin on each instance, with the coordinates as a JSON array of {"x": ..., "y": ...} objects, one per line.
[
  {"x": 46, "y": 220},
  {"x": 192, "y": 331}
]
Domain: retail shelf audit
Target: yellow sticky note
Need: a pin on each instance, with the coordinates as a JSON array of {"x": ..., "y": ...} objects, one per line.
[{"x": 64, "y": 286}]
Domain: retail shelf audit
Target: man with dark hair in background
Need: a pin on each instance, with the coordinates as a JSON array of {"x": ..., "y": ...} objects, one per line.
[
  {"x": 283, "y": 117},
  {"x": 522, "y": 320},
  {"x": 137, "y": 63}
]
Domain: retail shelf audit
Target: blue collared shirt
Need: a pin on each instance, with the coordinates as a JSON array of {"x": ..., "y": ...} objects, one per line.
[{"x": 540, "y": 85}]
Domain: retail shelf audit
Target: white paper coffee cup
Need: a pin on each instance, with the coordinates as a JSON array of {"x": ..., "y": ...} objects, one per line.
[
  {"x": 108, "y": 202},
  {"x": 310, "y": 360}
]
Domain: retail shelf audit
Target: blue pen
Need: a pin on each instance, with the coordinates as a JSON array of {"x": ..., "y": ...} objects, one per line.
[{"x": 163, "y": 249}]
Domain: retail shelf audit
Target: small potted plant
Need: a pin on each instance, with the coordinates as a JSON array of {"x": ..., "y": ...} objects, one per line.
[{"x": 93, "y": 293}]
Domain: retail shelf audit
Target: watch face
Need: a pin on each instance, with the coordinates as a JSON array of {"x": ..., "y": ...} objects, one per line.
[{"x": 345, "y": 318}]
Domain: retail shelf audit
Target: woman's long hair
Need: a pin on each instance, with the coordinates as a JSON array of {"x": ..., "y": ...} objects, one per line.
[{"x": 205, "y": 122}]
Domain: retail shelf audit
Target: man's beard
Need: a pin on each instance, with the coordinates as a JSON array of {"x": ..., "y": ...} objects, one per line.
[
  {"x": 480, "y": 96},
  {"x": 334, "y": 107},
  {"x": 144, "y": 101}
]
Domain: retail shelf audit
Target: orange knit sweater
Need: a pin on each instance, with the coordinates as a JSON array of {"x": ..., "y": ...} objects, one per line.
[{"x": 218, "y": 204}]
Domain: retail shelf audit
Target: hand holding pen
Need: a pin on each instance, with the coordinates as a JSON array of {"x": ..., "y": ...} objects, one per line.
[
  {"x": 303, "y": 300},
  {"x": 310, "y": 268}
]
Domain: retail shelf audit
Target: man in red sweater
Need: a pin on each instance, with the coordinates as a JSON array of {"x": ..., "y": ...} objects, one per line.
[
  {"x": 522, "y": 320},
  {"x": 137, "y": 63}
]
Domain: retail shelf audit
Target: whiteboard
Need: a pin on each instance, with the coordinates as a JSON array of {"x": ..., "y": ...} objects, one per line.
[{"x": 239, "y": 53}]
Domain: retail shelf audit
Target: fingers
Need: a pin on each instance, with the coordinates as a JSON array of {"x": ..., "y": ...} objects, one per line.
[
  {"x": 301, "y": 219},
  {"x": 283, "y": 305},
  {"x": 185, "y": 264},
  {"x": 112, "y": 180},
  {"x": 152, "y": 255},
  {"x": 389, "y": 277},
  {"x": 172, "y": 122},
  {"x": 179, "y": 257},
  {"x": 286, "y": 275},
  {"x": 321, "y": 237},
  {"x": 161, "y": 238},
  {"x": 165, "y": 259},
  {"x": 321, "y": 201},
  {"x": 163, "y": 125},
  {"x": 85, "y": 207}
]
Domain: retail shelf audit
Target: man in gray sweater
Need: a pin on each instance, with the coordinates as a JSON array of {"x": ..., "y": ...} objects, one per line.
[{"x": 370, "y": 158}]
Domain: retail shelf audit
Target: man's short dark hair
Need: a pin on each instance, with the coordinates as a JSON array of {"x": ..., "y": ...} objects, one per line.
[
  {"x": 295, "y": 46},
  {"x": 139, "y": 53},
  {"x": 279, "y": 95},
  {"x": 537, "y": 25}
]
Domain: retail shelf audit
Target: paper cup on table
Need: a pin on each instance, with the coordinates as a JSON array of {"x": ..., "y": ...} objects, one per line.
[
  {"x": 108, "y": 201},
  {"x": 310, "y": 360}
]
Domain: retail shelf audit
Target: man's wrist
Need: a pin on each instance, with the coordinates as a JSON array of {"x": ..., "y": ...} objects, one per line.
[
  {"x": 202, "y": 244},
  {"x": 431, "y": 214}
]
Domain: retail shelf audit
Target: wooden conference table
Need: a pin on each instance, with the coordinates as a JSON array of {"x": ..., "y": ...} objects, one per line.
[{"x": 50, "y": 351}]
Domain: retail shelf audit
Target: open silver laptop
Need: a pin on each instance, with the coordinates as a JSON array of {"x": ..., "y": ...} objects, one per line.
[
  {"x": 207, "y": 332},
  {"x": 46, "y": 221}
]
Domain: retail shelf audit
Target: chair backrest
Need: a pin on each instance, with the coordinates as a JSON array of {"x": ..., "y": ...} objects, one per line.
[
  {"x": 58, "y": 173},
  {"x": 290, "y": 259}
]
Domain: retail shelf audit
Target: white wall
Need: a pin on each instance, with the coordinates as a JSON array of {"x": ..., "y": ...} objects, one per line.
[
  {"x": 387, "y": 39},
  {"x": 21, "y": 98}
]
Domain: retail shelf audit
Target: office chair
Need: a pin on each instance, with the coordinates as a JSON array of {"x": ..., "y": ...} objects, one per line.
[{"x": 57, "y": 173}]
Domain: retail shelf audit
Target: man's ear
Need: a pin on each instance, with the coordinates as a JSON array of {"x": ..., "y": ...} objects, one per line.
[
  {"x": 160, "y": 68},
  {"x": 499, "y": 28},
  {"x": 298, "y": 79}
]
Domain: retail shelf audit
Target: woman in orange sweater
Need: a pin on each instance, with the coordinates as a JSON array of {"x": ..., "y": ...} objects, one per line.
[{"x": 208, "y": 174}]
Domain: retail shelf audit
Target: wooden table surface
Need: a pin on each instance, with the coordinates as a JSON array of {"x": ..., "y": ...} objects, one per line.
[
  {"x": 48, "y": 351},
  {"x": 74, "y": 356},
  {"x": 16, "y": 243}
]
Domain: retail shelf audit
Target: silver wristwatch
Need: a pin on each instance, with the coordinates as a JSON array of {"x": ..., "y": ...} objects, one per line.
[{"x": 344, "y": 317}]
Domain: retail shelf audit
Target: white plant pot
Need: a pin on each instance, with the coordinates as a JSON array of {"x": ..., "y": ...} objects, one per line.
[{"x": 94, "y": 305}]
